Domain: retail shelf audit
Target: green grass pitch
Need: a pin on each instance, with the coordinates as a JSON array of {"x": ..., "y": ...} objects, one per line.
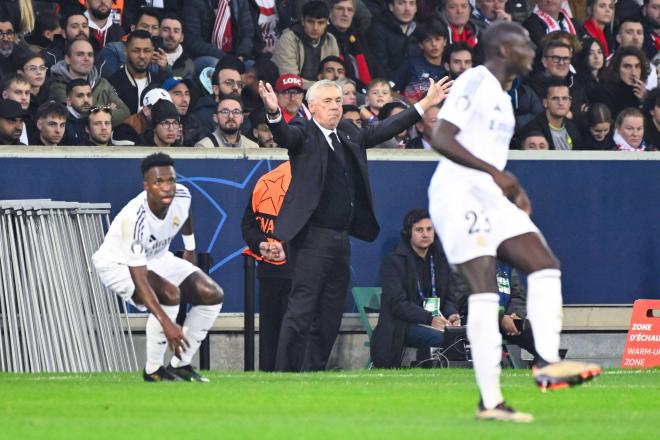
[{"x": 384, "y": 405}]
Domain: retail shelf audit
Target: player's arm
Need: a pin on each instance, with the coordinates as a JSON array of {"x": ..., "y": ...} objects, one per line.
[
  {"x": 444, "y": 141},
  {"x": 188, "y": 239},
  {"x": 146, "y": 295}
]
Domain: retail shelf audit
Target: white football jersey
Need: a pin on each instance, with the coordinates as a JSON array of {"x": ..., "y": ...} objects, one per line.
[
  {"x": 136, "y": 235},
  {"x": 482, "y": 111}
]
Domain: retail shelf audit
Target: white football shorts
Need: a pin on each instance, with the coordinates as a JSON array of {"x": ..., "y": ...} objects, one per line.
[
  {"x": 117, "y": 278},
  {"x": 472, "y": 221}
]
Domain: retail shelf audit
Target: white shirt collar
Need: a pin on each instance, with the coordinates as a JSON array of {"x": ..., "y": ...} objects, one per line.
[{"x": 326, "y": 133}]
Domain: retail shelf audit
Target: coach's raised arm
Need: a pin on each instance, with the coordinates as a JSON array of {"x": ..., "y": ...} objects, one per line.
[
  {"x": 329, "y": 112},
  {"x": 329, "y": 199}
]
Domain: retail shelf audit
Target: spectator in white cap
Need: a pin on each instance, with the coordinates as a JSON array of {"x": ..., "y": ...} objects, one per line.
[{"x": 135, "y": 125}]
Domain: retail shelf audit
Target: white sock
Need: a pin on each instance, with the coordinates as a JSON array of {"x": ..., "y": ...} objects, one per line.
[
  {"x": 544, "y": 311},
  {"x": 156, "y": 340},
  {"x": 197, "y": 324},
  {"x": 486, "y": 345}
]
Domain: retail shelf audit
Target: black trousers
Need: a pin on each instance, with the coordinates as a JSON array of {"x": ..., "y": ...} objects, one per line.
[
  {"x": 273, "y": 299},
  {"x": 320, "y": 264},
  {"x": 524, "y": 340}
]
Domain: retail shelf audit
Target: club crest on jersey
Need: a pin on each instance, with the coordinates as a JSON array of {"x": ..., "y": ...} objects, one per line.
[{"x": 176, "y": 221}]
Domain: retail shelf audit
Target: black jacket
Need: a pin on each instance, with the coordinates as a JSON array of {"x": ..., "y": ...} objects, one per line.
[
  {"x": 390, "y": 46},
  {"x": 127, "y": 89},
  {"x": 540, "y": 123},
  {"x": 308, "y": 151},
  {"x": 401, "y": 304},
  {"x": 526, "y": 104}
]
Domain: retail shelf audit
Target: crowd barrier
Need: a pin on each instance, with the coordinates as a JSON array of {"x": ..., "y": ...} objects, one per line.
[{"x": 54, "y": 313}]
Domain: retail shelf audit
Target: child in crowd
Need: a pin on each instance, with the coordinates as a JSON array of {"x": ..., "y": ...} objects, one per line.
[{"x": 379, "y": 93}]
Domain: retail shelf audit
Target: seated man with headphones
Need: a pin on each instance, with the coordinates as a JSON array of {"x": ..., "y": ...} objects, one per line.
[{"x": 416, "y": 303}]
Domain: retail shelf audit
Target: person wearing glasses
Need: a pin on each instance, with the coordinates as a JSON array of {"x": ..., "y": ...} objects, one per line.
[
  {"x": 226, "y": 80},
  {"x": 556, "y": 62},
  {"x": 181, "y": 90},
  {"x": 229, "y": 120},
  {"x": 290, "y": 91},
  {"x": 32, "y": 67},
  {"x": 561, "y": 132},
  {"x": 134, "y": 127},
  {"x": 8, "y": 46},
  {"x": 165, "y": 123}
]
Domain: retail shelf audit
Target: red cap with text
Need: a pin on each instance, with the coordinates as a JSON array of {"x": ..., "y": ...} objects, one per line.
[{"x": 289, "y": 81}]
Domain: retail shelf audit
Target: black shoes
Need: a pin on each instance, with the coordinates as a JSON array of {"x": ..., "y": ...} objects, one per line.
[
  {"x": 160, "y": 375},
  {"x": 187, "y": 373}
]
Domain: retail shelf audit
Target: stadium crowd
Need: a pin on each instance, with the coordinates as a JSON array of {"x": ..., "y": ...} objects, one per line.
[{"x": 186, "y": 72}]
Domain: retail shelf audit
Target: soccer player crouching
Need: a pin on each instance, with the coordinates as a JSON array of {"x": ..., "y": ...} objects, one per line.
[{"x": 134, "y": 261}]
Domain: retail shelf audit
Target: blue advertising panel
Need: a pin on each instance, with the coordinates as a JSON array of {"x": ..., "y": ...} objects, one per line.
[{"x": 601, "y": 217}]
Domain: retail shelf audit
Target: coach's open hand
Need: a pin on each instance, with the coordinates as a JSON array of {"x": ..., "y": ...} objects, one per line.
[
  {"x": 437, "y": 92},
  {"x": 268, "y": 97}
]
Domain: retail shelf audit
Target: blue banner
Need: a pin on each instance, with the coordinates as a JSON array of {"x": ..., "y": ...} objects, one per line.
[{"x": 600, "y": 217}]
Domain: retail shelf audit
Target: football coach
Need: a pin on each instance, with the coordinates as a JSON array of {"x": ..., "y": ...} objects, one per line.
[{"x": 329, "y": 198}]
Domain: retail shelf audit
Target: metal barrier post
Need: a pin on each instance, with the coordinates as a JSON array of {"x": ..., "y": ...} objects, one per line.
[{"x": 248, "y": 316}]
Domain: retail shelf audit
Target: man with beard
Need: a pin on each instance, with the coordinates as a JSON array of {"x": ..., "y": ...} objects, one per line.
[
  {"x": 79, "y": 100},
  {"x": 114, "y": 53},
  {"x": 98, "y": 126},
  {"x": 171, "y": 33},
  {"x": 79, "y": 63},
  {"x": 11, "y": 122},
  {"x": 7, "y": 46},
  {"x": 229, "y": 118},
  {"x": 226, "y": 80},
  {"x": 75, "y": 27},
  {"x": 457, "y": 58},
  {"x": 179, "y": 90},
  {"x": 134, "y": 76},
  {"x": 260, "y": 130},
  {"x": 103, "y": 29}
]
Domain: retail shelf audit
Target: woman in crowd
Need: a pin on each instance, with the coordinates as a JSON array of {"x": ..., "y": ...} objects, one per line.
[
  {"x": 599, "y": 24},
  {"x": 599, "y": 128},
  {"x": 590, "y": 67},
  {"x": 629, "y": 132}
]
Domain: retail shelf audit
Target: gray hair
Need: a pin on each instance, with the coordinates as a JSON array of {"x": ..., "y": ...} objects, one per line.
[{"x": 322, "y": 84}]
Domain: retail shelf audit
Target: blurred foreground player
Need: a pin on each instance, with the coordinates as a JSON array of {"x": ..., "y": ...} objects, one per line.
[
  {"x": 134, "y": 261},
  {"x": 469, "y": 204}
]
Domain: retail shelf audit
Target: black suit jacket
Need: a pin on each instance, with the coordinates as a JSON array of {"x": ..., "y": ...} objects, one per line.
[{"x": 308, "y": 151}]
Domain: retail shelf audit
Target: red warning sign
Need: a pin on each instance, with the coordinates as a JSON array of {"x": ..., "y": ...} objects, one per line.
[{"x": 643, "y": 340}]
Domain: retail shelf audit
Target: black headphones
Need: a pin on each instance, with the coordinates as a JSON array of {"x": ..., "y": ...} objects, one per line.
[{"x": 410, "y": 219}]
